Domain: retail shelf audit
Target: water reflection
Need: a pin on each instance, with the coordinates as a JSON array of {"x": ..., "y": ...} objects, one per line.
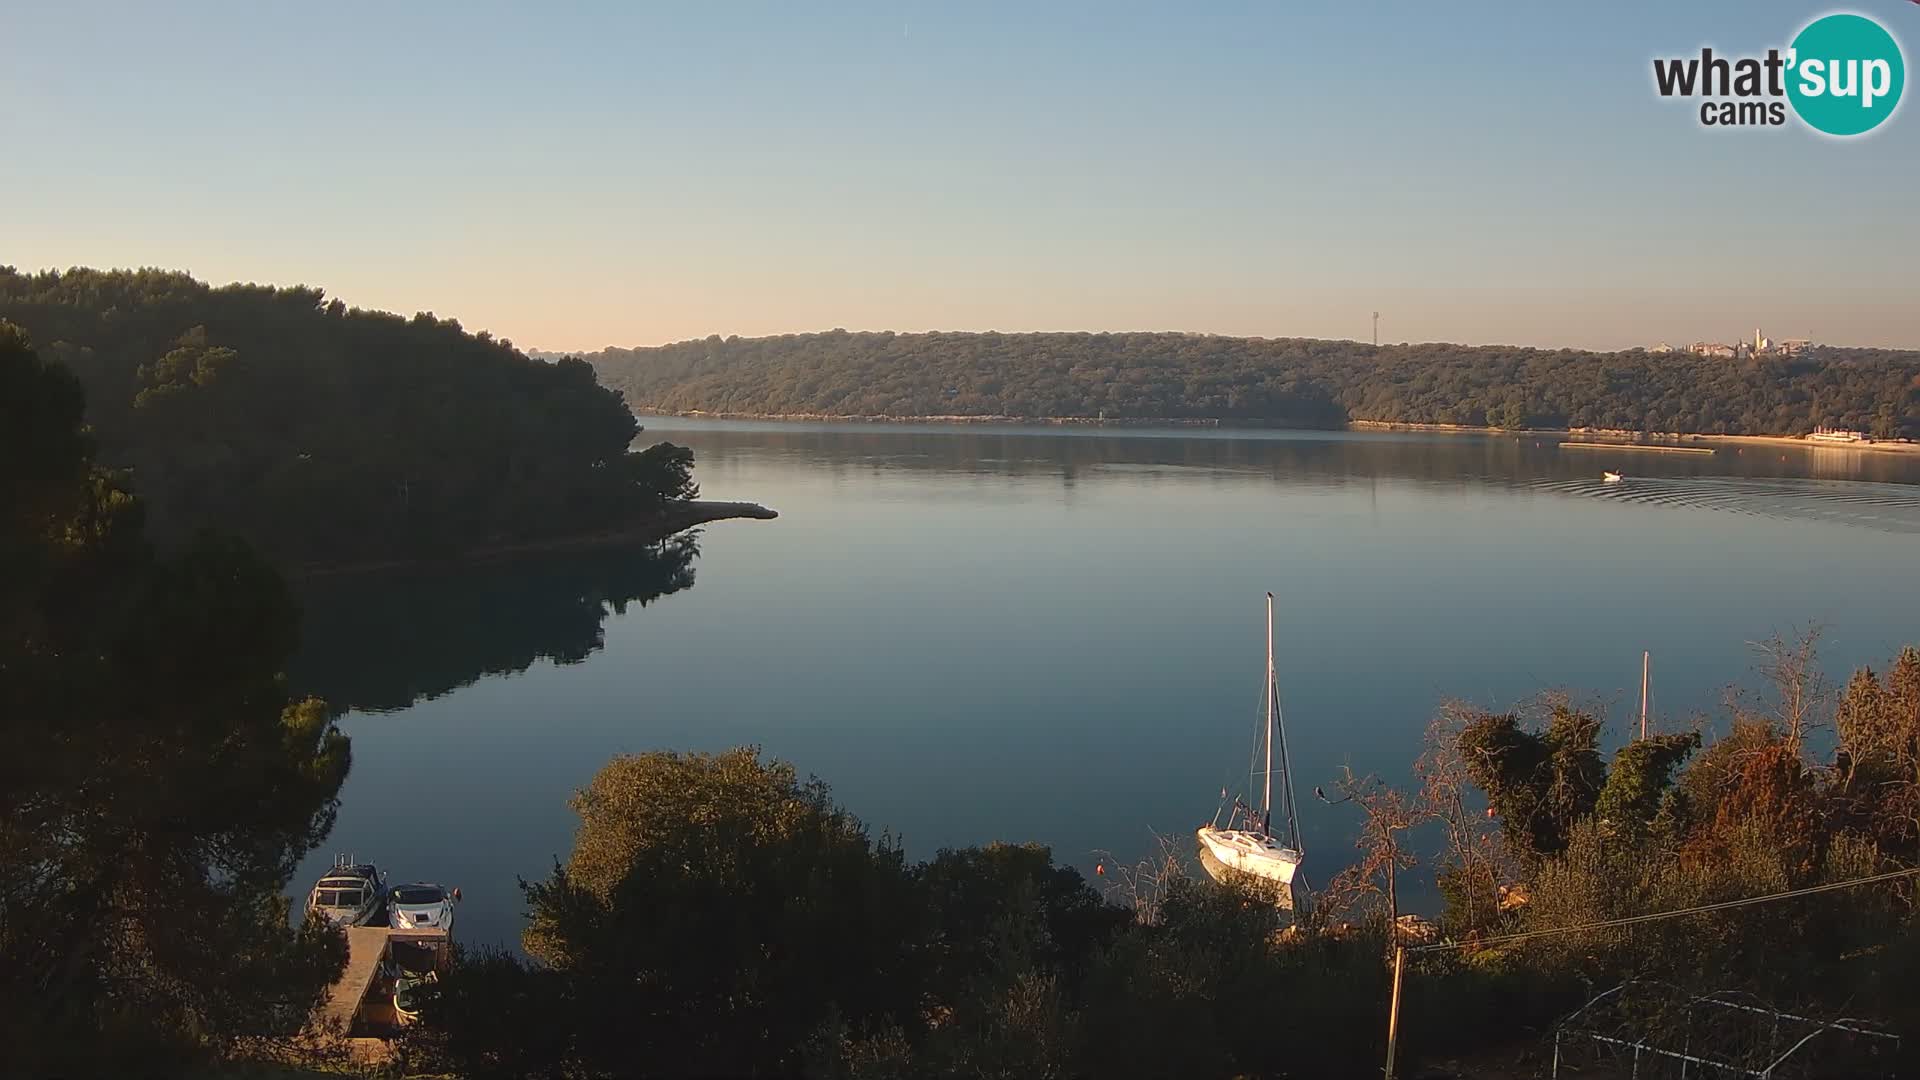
[
  {"x": 380, "y": 642},
  {"x": 1067, "y": 452},
  {"x": 1771, "y": 480},
  {"x": 1052, "y": 640}
]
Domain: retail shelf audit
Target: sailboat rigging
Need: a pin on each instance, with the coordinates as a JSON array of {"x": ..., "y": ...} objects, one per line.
[{"x": 1248, "y": 844}]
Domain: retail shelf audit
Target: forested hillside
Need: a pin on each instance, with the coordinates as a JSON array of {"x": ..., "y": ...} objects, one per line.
[
  {"x": 1293, "y": 381},
  {"x": 328, "y": 434},
  {"x": 160, "y": 782}
]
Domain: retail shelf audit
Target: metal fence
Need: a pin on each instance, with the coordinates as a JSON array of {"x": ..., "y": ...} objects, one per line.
[{"x": 1648, "y": 1030}]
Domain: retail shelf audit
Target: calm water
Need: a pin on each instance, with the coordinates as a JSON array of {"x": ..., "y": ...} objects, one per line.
[{"x": 979, "y": 634}]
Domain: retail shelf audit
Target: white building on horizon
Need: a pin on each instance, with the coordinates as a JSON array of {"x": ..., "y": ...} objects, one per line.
[{"x": 1760, "y": 345}]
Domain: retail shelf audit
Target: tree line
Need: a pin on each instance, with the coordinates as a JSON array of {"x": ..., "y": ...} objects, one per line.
[
  {"x": 325, "y": 434},
  {"x": 160, "y": 783},
  {"x": 1297, "y": 382}
]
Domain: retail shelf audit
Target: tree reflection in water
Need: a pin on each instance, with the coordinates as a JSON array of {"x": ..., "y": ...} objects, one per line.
[{"x": 383, "y": 641}]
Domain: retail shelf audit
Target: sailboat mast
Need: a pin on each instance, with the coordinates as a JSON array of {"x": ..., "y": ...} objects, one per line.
[
  {"x": 1277, "y": 728},
  {"x": 1266, "y": 799}
]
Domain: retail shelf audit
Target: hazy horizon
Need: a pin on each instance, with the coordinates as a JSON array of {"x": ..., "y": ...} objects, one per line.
[
  {"x": 626, "y": 177},
  {"x": 1384, "y": 343},
  {"x": 532, "y": 348}
]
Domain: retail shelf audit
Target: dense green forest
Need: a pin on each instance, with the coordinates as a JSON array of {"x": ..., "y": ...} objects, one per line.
[
  {"x": 328, "y": 434},
  {"x": 1290, "y": 381},
  {"x": 160, "y": 782}
]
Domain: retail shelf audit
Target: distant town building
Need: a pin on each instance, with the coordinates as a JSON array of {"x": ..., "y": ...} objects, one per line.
[
  {"x": 1766, "y": 346},
  {"x": 1713, "y": 349},
  {"x": 1761, "y": 345},
  {"x": 1839, "y": 435}
]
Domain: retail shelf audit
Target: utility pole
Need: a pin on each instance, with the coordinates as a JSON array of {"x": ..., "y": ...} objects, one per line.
[
  {"x": 1393, "y": 1014},
  {"x": 1376, "y": 329},
  {"x": 1646, "y": 662}
]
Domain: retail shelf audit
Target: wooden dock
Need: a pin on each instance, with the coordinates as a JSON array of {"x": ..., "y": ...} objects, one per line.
[
  {"x": 1645, "y": 448},
  {"x": 368, "y": 948}
]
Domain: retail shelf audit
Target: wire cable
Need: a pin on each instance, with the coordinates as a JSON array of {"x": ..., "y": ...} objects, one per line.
[{"x": 1633, "y": 920}]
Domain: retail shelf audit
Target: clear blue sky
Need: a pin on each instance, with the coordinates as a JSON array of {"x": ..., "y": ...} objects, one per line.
[{"x": 611, "y": 174}]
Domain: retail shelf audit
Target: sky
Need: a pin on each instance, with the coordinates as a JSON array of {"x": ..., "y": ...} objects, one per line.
[{"x": 577, "y": 175}]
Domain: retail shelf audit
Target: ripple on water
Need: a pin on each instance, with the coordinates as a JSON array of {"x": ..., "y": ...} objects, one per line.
[{"x": 1885, "y": 507}]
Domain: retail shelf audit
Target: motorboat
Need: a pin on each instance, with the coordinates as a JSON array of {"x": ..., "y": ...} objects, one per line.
[
  {"x": 350, "y": 894},
  {"x": 421, "y": 906},
  {"x": 412, "y": 969},
  {"x": 408, "y": 989},
  {"x": 1611, "y": 477}
]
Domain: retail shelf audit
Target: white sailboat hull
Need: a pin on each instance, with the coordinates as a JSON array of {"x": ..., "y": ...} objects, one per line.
[
  {"x": 1250, "y": 853},
  {"x": 1254, "y": 851}
]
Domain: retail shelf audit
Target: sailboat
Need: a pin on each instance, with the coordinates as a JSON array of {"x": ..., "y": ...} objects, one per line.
[{"x": 1248, "y": 843}]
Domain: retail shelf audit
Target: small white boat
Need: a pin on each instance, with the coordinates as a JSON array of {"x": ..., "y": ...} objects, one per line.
[
  {"x": 1248, "y": 844},
  {"x": 349, "y": 894},
  {"x": 420, "y": 907},
  {"x": 408, "y": 989},
  {"x": 412, "y": 969},
  {"x": 1611, "y": 477}
]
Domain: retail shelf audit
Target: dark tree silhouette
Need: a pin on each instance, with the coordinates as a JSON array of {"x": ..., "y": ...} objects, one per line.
[
  {"x": 159, "y": 784},
  {"x": 324, "y": 434}
]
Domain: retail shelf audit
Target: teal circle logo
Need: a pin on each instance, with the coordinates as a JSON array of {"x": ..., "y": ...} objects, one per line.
[{"x": 1845, "y": 74}]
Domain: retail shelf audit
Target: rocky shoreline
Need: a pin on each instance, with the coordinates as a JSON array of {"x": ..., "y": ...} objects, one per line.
[{"x": 1598, "y": 434}]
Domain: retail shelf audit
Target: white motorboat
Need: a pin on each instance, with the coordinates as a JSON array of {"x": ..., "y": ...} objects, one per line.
[
  {"x": 1247, "y": 843},
  {"x": 420, "y": 907},
  {"x": 350, "y": 894},
  {"x": 1611, "y": 477}
]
